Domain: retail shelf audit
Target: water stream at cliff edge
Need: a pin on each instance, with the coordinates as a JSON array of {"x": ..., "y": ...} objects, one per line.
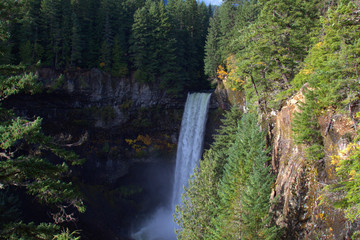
[{"x": 160, "y": 226}]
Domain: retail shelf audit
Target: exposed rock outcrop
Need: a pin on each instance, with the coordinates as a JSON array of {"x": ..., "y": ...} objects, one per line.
[
  {"x": 113, "y": 100},
  {"x": 299, "y": 184},
  {"x": 127, "y": 132}
]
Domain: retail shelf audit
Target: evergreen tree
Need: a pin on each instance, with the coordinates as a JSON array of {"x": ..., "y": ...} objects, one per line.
[
  {"x": 76, "y": 44},
  {"x": 235, "y": 216},
  {"x": 332, "y": 63},
  {"x": 26, "y": 52},
  {"x": 198, "y": 205},
  {"x": 226, "y": 26},
  {"x": 23, "y": 162},
  {"x": 106, "y": 46},
  {"x": 91, "y": 30},
  {"x": 306, "y": 127},
  {"x": 274, "y": 46},
  {"x": 119, "y": 65},
  {"x": 330, "y": 70},
  {"x": 142, "y": 43},
  {"x": 212, "y": 56},
  {"x": 200, "y": 200},
  {"x": 51, "y": 14},
  {"x": 176, "y": 10},
  {"x": 255, "y": 203},
  {"x": 23, "y": 157}
]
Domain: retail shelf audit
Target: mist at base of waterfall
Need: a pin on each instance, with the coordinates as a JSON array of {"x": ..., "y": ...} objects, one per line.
[{"x": 160, "y": 226}]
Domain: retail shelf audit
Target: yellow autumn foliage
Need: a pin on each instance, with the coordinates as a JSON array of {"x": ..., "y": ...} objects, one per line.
[
  {"x": 221, "y": 73},
  {"x": 319, "y": 44},
  {"x": 306, "y": 71},
  {"x": 145, "y": 139}
]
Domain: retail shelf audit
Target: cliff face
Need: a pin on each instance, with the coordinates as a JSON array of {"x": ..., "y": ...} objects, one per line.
[
  {"x": 120, "y": 97},
  {"x": 110, "y": 121},
  {"x": 126, "y": 131},
  {"x": 299, "y": 184}
]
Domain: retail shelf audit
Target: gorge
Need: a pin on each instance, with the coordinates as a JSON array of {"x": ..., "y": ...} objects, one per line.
[{"x": 94, "y": 134}]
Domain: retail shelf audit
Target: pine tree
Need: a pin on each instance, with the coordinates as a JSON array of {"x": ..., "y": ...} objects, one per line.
[
  {"x": 107, "y": 40},
  {"x": 51, "y": 14},
  {"x": 200, "y": 200},
  {"x": 26, "y": 53},
  {"x": 225, "y": 137},
  {"x": 306, "y": 127},
  {"x": 272, "y": 48},
  {"x": 23, "y": 156},
  {"x": 247, "y": 157},
  {"x": 142, "y": 43},
  {"x": 23, "y": 147},
  {"x": 212, "y": 56},
  {"x": 255, "y": 201},
  {"x": 119, "y": 65},
  {"x": 198, "y": 206},
  {"x": 76, "y": 43},
  {"x": 332, "y": 63}
]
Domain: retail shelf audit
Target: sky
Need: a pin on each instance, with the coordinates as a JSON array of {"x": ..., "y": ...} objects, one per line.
[{"x": 213, "y": 2}]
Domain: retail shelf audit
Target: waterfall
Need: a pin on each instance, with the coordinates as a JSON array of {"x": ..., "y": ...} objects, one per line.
[{"x": 190, "y": 145}]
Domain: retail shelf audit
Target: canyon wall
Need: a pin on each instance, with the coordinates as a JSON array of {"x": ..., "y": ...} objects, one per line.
[
  {"x": 127, "y": 133},
  {"x": 124, "y": 129},
  {"x": 299, "y": 185}
]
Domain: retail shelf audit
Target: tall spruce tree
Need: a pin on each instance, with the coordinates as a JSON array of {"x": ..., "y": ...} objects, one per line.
[
  {"x": 119, "y": 64},
  {"x": 212, "y": 56},
  {"x": 76, "y": 43},
  {"x": 247, "y": 157},
  {"x": 24, "y": 152},
  {"x": 273, "y": 47},
  {"x": 200, "y": 200},
  {"x": 255, "y": 201},
  {"x": 198, "y": 206}
]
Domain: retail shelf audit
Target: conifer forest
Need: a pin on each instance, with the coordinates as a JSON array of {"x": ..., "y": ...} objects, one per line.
[{"x": 92, "y": 95}]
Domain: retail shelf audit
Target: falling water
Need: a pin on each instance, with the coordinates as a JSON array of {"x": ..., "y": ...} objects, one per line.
[
  {"x": 190, "y": 141},
  {"x": 161, "y": 226}
]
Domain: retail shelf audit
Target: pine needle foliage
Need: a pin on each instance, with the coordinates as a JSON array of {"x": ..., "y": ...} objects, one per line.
[
  {"x": 330, "y": 74},
  {"x": 255, "y": 204},
  {"x": 24, "y": 152},
  {"x": 198, "y": 202},
  {"x": 306, "y": 127},
  {"x": 200, "y": 199},
  {"x": 224, "y": 199},
  {"x": 347, "y": 189},
  {"x": 23, "y": 160},
  {"x": 242, "y": 205}
]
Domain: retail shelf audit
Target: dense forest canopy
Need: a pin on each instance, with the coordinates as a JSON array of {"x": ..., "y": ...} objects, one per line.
[
  {"x": 157, "y": 43},
  {"x": 269, "y": 49},
  {"x": 29, "y": 160}
]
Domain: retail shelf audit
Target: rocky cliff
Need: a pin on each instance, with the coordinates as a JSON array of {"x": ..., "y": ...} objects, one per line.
[
  {"x": 299, "y": 185},
  {"x": 126, "y": 131}
]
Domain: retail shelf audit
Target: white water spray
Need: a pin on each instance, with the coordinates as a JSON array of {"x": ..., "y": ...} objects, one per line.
[
  {"x": 161, "y": 225},
  {"x": 190, "y": 144}
]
